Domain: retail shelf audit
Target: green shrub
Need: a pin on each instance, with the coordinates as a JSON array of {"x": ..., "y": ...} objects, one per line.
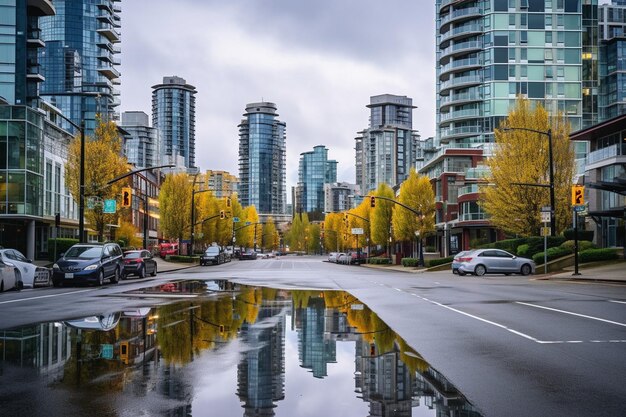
[
  {"x": 535, "y": 244},
  {"x": 430, "y": 249},
  {"x": 582, "y": 234},
  {"x": 591, "y": 255},
  {"x": 522, "y": 250},
  {"x": 63, "y": 244},
  {"x": 408, "y": 262},
  {"x": 380, "y": 261},
  {"x": 183, "y": 258},
  {"x": 582, "y": 245},
  {"x": 509, "y": 245},
  {"x": 439, "y": 261},
  {"x": 553, "y": 253}
]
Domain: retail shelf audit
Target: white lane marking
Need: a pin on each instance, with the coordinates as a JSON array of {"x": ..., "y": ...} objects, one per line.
[
  {"x": 481, "y": 319},
  {"x": 397, "y": 289},
  {"x": 573, "y": 314},
  {"x": 42, "y": 296},
  {"x": 615, "y": 301}
]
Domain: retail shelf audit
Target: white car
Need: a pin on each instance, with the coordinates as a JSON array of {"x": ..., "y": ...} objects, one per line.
[
  {"x": 332, "y": 257},
  {"x": 7, "y": 277},
  {"x": 25, "y": 271}
]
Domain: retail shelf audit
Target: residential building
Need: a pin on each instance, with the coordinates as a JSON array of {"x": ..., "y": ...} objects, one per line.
[
  {"x": 488, "y": 53},
  {"x": 340, "y": 196},
  {"x": 221, "y": 183},
  {"x": 262, "y": 150},
  {"x": 612, "y": 70},
  {"x": 80, "y": 59},
  {"x": 388, "y": 148},
  {"x": 314, "y": 171},
  {"x": 174, "y": 116},
  {"x": 141, "y": 142}
]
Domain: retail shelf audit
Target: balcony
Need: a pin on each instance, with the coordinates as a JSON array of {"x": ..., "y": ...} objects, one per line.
[
  {"x": 461, "y": 48},
  {"x": 460, "y": 65},
  {"x": 462, "y": 32},
  {"x": 461, "y": 14},
  {"x": 109, "y": 72},
  {"x": 34, "y": 39},
  {"x": 458, "y": 82},
  {"x": 469, "y": 189},
  {"x": 108, "y": 31},
  {"x": 33, "y": 72},
  {"x": 460, "y": 98},
  {"x": 610, "y": 152},
  {"x": 468, "y": 217},
  {"x": 479, "y": 172},
  {"x": 460, "y": 115},
  {"x": 450, "y": 133}
]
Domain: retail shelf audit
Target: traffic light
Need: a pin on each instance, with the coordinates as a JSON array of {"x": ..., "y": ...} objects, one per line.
[
  {"x": 57, "y": 220},
  {"x": 578, "y": 195},
  {"x": 222, "y": 214},
  {"x": 127, "y": 195},
  {"x": 322, "y": 226},
  {"x": 227, "y": 202},
  {"x": 372, "y": 201}
]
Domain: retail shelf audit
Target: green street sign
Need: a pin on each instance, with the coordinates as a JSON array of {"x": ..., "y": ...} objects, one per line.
[{"x": 109, "y": 206}]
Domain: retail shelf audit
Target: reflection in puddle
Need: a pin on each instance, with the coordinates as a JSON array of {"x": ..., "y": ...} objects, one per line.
[{"x": 296, "y": 353}]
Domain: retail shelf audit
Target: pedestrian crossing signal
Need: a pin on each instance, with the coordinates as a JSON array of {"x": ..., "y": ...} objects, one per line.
[{"x": 578, "y": 195}]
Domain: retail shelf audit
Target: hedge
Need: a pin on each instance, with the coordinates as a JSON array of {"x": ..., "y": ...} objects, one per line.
[
  {"x": 183, "y": 259},
  {"x": 582, "y": 245},
  {"x": 408, "y": 262},
  {"x": 380, "y": 261},
  {"x": 63, "y": 244},
  {"x": 553, "y": 253},
  {"x": 591, "y": 255},
  {"x": 439, "y": 261}
]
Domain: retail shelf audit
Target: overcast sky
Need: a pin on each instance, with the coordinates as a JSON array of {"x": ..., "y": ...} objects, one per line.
[{"x": 319, "y": 61}]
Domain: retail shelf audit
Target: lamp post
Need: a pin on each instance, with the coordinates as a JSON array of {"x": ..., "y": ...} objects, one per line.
[{"x": 547, "y": 133}]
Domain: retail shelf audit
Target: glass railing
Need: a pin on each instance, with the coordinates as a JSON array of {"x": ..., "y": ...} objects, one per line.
[
  {"x": 605, "y": 153},
  {"x": 469, "y": 189},
  {"x": 459, "y": 13},
  {"x": 460, "y": 114},
  {"x": 477, "y": 173},
  {"x": 465, "y": 217},
  {"x": 461, "y": 80},
  {"x": 461, "y": 46},
  {"x": 468, "y": 62}
]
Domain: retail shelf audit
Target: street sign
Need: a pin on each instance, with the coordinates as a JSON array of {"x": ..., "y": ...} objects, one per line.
[
  {"x": 236, "y": 219},
  {"x": 357, "y": 231},
  {"x": 109, "y": 206},
  {"x": 545, "y": 231},
  {"x": 580, "y": 208},
  {"x": 578, "y": 195},
  {"x": 248, "y": 223},
  {"x": 107, "y": 351},
  {"x": 546, "y": 208},
  {"x": 546, "y": 216}
]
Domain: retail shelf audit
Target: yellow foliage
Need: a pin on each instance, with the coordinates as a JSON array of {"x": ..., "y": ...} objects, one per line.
[
  {"x": 128, "y": 233},
  {"x": 417, "y": 193}
]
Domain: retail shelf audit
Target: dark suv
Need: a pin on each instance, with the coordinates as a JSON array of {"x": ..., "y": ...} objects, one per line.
[{"x": 85, "y": 262}]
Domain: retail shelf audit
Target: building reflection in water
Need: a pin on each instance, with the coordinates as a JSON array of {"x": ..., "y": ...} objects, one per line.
[{"x": 145, "y": 353}]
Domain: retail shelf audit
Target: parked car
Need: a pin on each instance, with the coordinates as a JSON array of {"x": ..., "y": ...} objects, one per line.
[
  {"x": 332, "y": 257},
  {"x": 28, "y": 273},
  {"x": 140, "y": 263},
  {"x": 248, "y": 254},
  {"x": 456, "y": 261},
  {"x": 168, "y": 249},
  {"x": 213, "y": 255},
  {"x": 7, "y": 277},
  {"x": 494, "y": 261},
  {"x": 342, "y": 258},
  {"x": 89, "y": 263},
  {"x": 355, "y": 258}
]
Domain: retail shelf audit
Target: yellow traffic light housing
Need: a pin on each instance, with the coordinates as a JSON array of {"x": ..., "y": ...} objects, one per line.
[
  {"x": 127, "y": 196},
  {"x": 227, "y": 202}
]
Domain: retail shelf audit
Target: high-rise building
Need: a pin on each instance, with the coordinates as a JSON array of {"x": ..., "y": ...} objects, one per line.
[
  {"x": 489, "y": 53},
  {"x": 262, "y": 149},
  {"x": 340, "y": 196},
  {"x": 174, "y": 116},
  {"x": 388, "y": 148},
  {"x": 80, "y": 59},
  {"x": 141, "y": 142},
  {"x": 314, "y": 171},
  {"x": 612, "y": 35},
  {"x": 221, "y": 183}
]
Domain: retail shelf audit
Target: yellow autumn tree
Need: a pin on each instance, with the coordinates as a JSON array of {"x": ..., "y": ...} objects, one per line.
[
  {"x": 128, "y": 234},
  {"x": 381, "y": 215},
  {"x": 270, "y": 238},
  {"x": 332, "y": 232},
  {"x": 103, "y": 162},
  {"x": 417, "y": 193},
  {"x": 175, "y": 206},
  {"x": 519, "y": 170}
]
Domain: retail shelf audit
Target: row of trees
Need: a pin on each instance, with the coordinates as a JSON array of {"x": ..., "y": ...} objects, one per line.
[{"x": 175, "y": 199}]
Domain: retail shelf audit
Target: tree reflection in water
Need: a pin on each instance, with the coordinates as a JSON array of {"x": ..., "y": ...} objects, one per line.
[{"x": 141, "y": 363}]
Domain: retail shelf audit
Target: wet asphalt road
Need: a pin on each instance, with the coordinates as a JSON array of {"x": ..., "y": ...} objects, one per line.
[{"x": 513, "y": 345}]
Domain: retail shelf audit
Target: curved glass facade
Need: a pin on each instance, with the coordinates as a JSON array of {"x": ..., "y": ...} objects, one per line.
[
  {"x": 262, "y": 169},
  {"x": 314, "y": 171}
]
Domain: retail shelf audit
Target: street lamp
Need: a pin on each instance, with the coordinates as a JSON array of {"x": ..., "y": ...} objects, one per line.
[{"x": 547, "y": 133}]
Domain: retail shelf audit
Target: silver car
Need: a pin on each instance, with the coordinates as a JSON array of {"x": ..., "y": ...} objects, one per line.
[
  {"x": 29, "y": 274},
  {"x": 494, "y": 261}
]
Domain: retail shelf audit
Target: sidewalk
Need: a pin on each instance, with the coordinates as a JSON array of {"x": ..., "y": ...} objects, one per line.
[{"x": 595, "y": 271}]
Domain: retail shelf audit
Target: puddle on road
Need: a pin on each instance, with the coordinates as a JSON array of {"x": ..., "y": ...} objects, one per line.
[{"x": 247, "y": 352}]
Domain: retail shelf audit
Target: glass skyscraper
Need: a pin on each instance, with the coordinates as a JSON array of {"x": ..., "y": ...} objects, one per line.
[
  {"x": 174, "y": 116},
  {"x": 314, "y": 171},
  {"x": 386, "y": 151},
  {"x": 262, "y": 149},
  {"x": 80, "y": 59},
  {"x": 612, "y": 24},
  {"x": 141, "y": 145}
]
